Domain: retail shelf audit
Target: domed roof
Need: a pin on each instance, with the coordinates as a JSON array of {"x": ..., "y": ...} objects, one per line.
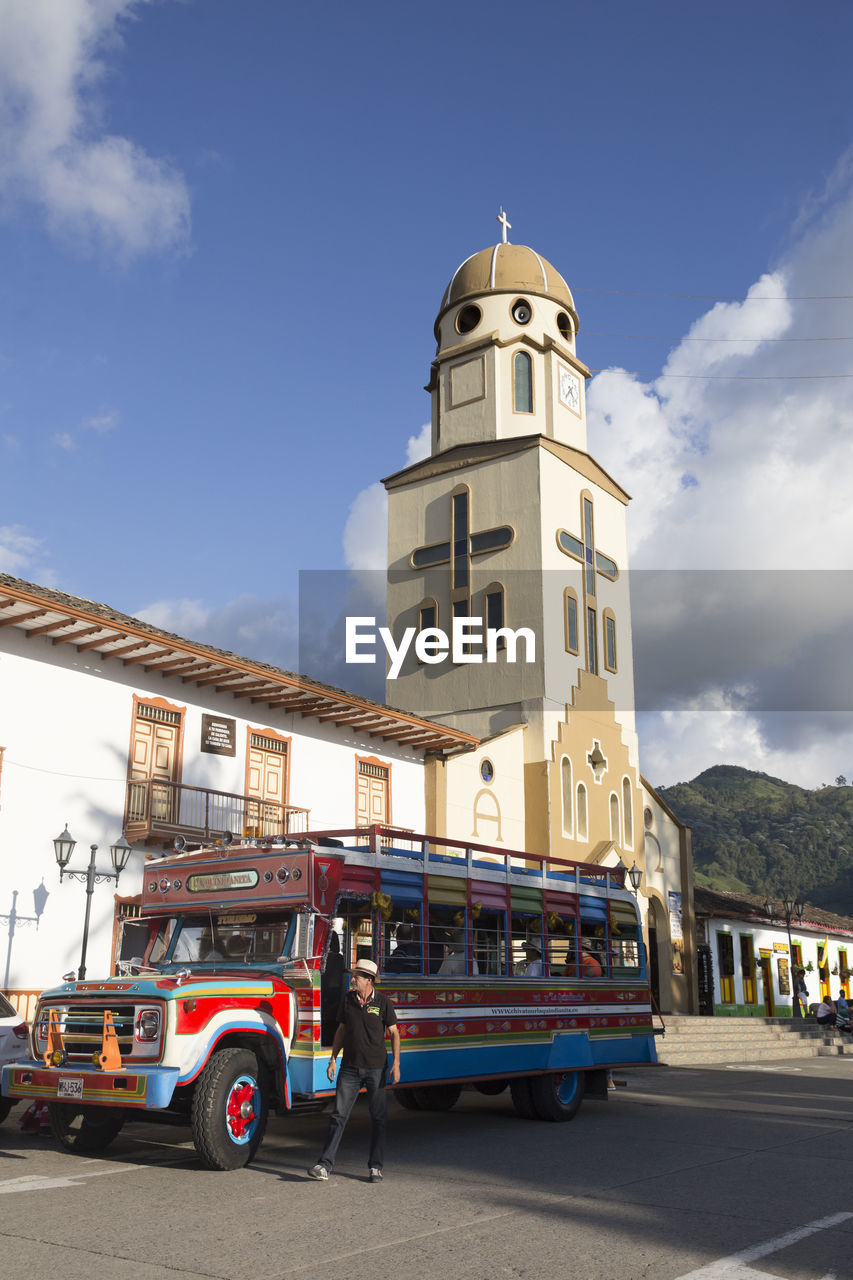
[{"x": 507, "y": 268}]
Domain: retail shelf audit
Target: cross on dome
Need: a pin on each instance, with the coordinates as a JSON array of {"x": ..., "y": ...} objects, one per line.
[{"x": 506, "y": 225}]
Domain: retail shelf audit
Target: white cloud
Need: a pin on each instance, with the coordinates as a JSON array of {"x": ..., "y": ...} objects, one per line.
[
  {"x": 365, "y": 537},
  {"x": 749, "y": 474},
  {"x": 418, "y": 447},
  {"x": 54, "y": 151},
  {"x": 265, "y": 630},
  {"x": 18, "y": 549},
  {"x": 102, "y": 423},
  {"x": 63, "y": 440}
]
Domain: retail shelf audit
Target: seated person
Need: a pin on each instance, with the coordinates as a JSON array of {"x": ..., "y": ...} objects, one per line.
[
  {"x": 237, "y": 947},
  {"x": 842, "y": 1014},
  {"x": 331, "y": 989},
  {"x": 826, "y": 1014},
  {"x": 531, "y": 967},
  {"x": 207, "y": 947},
  {"x": 406, "y": 956},
  {"x": 590, "y": 965},
  {"x": 454, "y": 960}
]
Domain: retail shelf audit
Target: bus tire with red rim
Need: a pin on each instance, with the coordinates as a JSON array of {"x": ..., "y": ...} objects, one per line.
[
  {"x": 84, "y": 1129},
  {"x": 407, "y": 1098},
  {"x": 438, "y": 1097},
  {"x": 522, "y": 1099},
  {"x": 558, "y": 1096},
  {"x": 229, "y": 1112}
]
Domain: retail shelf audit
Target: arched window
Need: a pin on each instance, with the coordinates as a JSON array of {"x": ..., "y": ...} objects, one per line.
[
  {"x": 609, "y": 640},
  {"x": 522, "y": 378},
  {"x": 427, "y": 615},
  {"x": 570, "y": 620},
  {"x": 628, "y": 810},
  {"x": 494, "y": 597},
  {"x": 581, "y": 812},
  {"x": 566, "y": 790},
  {"x": 615, "y": 825}
]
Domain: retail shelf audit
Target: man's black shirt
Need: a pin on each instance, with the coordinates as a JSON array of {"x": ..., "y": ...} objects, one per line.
[{"x": 365, "y": 1027}]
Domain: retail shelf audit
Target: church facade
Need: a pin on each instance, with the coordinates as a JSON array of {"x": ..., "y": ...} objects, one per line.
[{"x": 512, "y": 522}]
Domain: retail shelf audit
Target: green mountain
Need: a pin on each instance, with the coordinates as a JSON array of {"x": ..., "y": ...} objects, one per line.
[{"x": 758, "y": 834}]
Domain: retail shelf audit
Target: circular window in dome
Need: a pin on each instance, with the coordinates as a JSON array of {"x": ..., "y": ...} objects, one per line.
[
  {"x": 648, "y": 818},
  {"x": 487, "y": 770},
  {"x": 469, "y": 317},
  {"x": 522, "y": 311},
  {"x": 564, "y": 324}
]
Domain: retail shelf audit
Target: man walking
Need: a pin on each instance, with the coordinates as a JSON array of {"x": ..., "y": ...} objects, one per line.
[{"x": 364, "y": 1017}]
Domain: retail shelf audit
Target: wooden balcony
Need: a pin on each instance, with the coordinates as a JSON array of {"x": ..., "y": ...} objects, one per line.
[{"x": 159, "y": 810}]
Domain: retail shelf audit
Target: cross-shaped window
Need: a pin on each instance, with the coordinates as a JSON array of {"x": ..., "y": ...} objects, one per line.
[
  {"x": 594, "y": 561},
  {"x": 463, "y": 543}
]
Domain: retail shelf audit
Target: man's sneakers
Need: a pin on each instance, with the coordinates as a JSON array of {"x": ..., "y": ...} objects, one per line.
[
  {"x": 320, "y": 1173},
  {"x": 374, "y": 1175}
]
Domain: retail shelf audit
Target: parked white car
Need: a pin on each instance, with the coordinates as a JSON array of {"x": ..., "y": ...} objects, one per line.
[{"x": 13, "y": 1044}]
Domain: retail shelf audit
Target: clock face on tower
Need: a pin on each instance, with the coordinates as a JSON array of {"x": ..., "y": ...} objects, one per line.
[{"x": 570, "y": 389}]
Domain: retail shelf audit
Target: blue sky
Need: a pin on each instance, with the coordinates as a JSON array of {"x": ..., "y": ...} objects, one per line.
[{"x": 225, "y": 229}]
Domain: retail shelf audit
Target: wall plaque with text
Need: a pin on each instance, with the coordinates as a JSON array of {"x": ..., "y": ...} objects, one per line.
[{"x": 218, "y": 735}]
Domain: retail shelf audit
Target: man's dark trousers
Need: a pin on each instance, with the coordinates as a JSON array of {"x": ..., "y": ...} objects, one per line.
[{"x": 350, "y": 1081}]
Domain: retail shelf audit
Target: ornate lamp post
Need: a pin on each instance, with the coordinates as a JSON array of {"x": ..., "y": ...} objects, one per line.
[
  {"x": 63, "y": 847},
  {"x": 792, "y": 909}
]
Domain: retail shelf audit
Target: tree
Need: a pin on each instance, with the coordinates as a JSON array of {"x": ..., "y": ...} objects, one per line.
[{"x": 841, "y": 781}]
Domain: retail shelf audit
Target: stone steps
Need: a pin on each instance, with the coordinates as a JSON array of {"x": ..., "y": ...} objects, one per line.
[{"x": 697, "y": 1041}]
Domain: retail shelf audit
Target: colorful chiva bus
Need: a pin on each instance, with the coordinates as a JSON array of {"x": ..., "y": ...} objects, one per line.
[{"x": 507, "y": 970}]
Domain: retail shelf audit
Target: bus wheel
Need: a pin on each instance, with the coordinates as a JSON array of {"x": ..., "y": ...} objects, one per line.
[
  {"x": 407, "y": 1098},
  {"x": 229, "y": 1113},
  {"x": 558, "y": 1097},
  {"x": 491, "y": 1088},
  {"x": 438, "y": 1097},
  {"x": 522, "y": 1100},
  {"x": 6, "y": 1105},
  {"x": 82, "y": 1129}
]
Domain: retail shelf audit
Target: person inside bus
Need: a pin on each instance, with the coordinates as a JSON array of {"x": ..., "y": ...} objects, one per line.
[
  {"x": 406, "y": 956},
  {"x": 454, "y": 960},
  {"x": 531, "y": 966},
  {"x": 590, "y": 965},
  {"x": 331, "y": 989},
  {"x": 207, "y": 947}
]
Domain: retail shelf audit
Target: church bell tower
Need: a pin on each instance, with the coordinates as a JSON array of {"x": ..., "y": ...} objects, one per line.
[{"x": 510, "y": 520}]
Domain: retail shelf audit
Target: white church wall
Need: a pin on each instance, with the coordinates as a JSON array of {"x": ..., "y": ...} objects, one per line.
[{"x": 489, "y": 810}]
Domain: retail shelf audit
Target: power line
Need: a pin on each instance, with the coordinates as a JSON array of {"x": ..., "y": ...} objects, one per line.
[
  {"x": 729, "y": 377},
  {"x": 714, "y": 297},
  {"x": 655, "y": 337}
]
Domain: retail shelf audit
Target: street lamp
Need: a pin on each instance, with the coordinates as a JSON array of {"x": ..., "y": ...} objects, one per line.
[
  {"x": 636, "y": 876},
  {"x": 792, "y": 909},
  {"x": 63, "y": 847}
]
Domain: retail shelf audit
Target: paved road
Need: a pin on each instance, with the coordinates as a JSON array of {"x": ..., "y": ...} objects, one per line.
[{"x": 679, "y": 1170}]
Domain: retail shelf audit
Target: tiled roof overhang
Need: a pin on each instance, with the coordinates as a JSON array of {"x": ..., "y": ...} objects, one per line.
[{"x": 40, "y": 612}]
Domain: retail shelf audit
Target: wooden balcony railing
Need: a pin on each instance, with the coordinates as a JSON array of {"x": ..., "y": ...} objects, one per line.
[{"x": 159, "y": 809}]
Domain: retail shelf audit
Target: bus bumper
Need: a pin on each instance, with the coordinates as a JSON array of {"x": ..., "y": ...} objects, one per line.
[{"x": 142, "y": 1088}]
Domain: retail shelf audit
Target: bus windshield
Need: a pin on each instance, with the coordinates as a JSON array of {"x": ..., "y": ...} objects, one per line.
[{"x": 222, "y": 938}]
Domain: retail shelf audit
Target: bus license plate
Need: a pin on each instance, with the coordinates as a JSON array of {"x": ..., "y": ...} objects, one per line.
[{"x": 69, "y": 1087}]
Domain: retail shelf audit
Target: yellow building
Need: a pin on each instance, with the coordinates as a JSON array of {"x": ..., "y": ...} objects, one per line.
[{"x": 511, "y": 521}]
